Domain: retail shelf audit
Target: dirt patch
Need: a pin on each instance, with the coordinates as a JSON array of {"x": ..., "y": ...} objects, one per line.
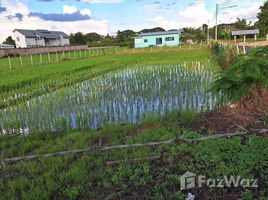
[{"x": 250, "y": 112}]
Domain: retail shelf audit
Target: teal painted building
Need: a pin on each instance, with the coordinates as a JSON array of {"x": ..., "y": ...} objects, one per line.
[{"x": 167, "y": 38}]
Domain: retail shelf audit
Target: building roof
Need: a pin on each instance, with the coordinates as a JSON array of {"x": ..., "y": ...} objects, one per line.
[
  {"x": 160, "y": 33},
  {"x": 42, "y": 33},
  {"x": 246, "y": 32}
]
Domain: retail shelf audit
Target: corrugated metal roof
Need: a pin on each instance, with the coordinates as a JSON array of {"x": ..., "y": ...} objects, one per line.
[
  {"x": 246, "y": 32},
  {"x": 26, "y": 33},
  {"x": 42, "y": 33},
  {"x": 160, "y": 33}
]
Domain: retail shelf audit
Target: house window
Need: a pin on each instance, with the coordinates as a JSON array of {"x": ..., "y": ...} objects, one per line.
[
  {"x": 145, "y": 40},
  {"x": 158, "y": 41},
  {"x": 169, "y": 39},
  {"x": 18, "y": 39}
]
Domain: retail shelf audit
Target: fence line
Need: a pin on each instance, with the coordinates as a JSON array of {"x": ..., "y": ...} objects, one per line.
[{"x": 47, "y": 56}]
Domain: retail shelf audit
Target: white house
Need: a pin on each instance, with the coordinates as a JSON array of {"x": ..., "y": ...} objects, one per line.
[{"x": 40, "y": 38}]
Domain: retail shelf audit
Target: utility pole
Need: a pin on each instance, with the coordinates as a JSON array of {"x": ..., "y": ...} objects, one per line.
[
  {"x": 217, "y": 12},
  {"x": 208, "y": 33},
  {"x": 216, "y": 27}
]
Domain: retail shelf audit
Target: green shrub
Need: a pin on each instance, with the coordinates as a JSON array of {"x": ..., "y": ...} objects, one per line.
[{"x": 247, "y": 74}]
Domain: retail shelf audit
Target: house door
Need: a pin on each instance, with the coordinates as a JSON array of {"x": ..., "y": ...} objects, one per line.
[{"x": 158, "y": 41}]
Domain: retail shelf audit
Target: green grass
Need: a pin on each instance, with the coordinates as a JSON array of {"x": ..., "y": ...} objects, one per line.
[
  {"x": 22, "y": 83},
  {"x": 88, "y": 176}
]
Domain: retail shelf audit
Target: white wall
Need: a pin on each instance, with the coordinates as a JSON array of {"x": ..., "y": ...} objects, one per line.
[
  {"x": 19, "y": 39},
  {"x": 65, "y": 42},
  {"x": 30, "y": 42},
  {"x": 41, "y": 42}
]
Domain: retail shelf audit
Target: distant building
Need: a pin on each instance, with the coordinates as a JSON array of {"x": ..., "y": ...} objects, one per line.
[
  {"x": 6, "y": 46},
  {"x": 40, "y": 38},
  {"x": 167, "y": 38},
  {"x": 246, "y": 33}
]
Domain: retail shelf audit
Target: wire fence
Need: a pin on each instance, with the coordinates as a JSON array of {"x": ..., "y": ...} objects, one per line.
[{"x": 11, "y": 62}]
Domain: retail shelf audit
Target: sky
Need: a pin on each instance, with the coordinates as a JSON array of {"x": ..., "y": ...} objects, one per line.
[{"x": 109, "y": 16}]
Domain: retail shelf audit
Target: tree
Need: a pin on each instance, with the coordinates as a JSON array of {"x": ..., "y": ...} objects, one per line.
[
  {"x": 9, "y": 40},
  {"x": 157, "y": 29},
  {"x": 263, "y": 19},
  {"x": 225, "y": 34},
  {"x": 241, "y": 24},
  {"x": 78, "y": 39}
]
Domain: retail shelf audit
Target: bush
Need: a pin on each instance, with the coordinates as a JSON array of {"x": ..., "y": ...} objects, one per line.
[{"x": 246, "y": 75}]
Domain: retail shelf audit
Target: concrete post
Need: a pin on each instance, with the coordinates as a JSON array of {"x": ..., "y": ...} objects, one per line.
[
  {"x": 48, "y": 55},
  {"x": 9, "y": 61},
  {"x": 244, "y": 38},
  {"x": 21, "y": 64},
  {"x": 255, "y": 37},
  {"x": 235, "y": 39},
  {"x": 237, "y": 49},
  {"x": 41, "y": 60},
  {"x": 57, "y": 57},
  {"x": 31, "y": 59}
]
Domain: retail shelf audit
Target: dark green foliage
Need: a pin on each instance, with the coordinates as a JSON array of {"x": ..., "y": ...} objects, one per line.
[
  {"x": 263, "y": 19},
  {"x": 246, "y": 73},
  {"x": 195, "y": 34},
  {"x": 9, "y": 40},
  {"x": 242, "y": 24},
  {"x": 223, "y": 55},
  {"x": 225, "y": 35}
]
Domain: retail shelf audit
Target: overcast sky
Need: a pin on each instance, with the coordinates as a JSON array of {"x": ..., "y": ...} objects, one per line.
[{"x": 108, "y": 16}]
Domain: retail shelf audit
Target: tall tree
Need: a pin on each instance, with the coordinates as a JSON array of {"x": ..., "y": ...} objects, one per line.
[
  {"x": 263, "y": 19},
  {"x": 78, "y": 39},
  {"x": 9, "y": 40},
  {"x": 241, "y": 24}
]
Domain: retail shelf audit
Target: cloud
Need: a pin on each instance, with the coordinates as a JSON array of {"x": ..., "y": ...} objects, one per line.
[
  {"x": 69, "y": 9},
  {"x": 2, "y": 9},
  {"x": 86, "y": 11},
  {"x": 247, "y": 10},
  {"x": 194, "y": 15},
  {"x": 19, "y": 16},
  {"x": 37, "y": 21},
  {"x": 77, "y": 16},
  {"x": 161, "y": 21},
  {"x": 154, "y": 8}
]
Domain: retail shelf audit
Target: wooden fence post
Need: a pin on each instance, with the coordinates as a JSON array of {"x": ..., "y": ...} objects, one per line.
[{"x": 74, "y": 54}]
